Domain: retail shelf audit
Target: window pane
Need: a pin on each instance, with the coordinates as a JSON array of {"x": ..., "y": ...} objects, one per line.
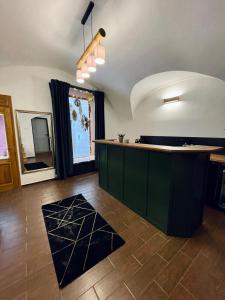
[
  {"x": 81, "y": 129},
  {"x": 4, "y": 154}
]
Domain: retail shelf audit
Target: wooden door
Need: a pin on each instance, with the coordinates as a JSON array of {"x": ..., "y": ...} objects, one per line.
[{"x": 9, "y": 171}]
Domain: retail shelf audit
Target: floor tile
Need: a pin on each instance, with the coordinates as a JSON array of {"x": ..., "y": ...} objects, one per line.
[
  {"x": 129, "y": 248},
  {"x": 142, "y": 278},
  {"x": 43, "y": 292},
  {"x": 107, "y": 285},
  {"x": 179, "y": 293},
  {"x": 121, "y": 293},
  {"x": 87, "y": 280},
  {"x": 149, "y": 232},
  {"x": 153, "y": 292},
  {"x": 193, "y": 246},
  {"x": 218, "y": 268},
  {"x": 10, "y": 275},
  {"x": 144, "y": 253},
  {"x": 12, "y": 257},
  {"x": 89, "y": 295},
  {"x": 127, "y": 266},
  {"x": 138, "y": 227},
  {"x": 171, "y": 274},
  {"x": 199, "y": 281},
  {"x": 17, "y": 289},
  {"x": 171, "y": 248}
]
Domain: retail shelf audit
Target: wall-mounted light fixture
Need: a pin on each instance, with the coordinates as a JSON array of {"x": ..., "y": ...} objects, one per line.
[{"x": 170, "y": 100}]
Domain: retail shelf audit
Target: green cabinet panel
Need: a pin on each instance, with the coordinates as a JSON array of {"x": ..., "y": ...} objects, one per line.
[
  {"x": 181, "y": 196},
  {"x": 188, "y": 194},
  {"x": 115, "y": 171},
  {"x": 135, "y": 180},
  {"x": 199, "y": 190},
  {"x": 103, "y": 166},
  {"x": 159, "y": 189}
]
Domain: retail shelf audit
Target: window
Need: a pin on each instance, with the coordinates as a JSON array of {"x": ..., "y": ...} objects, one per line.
[
  {"x": 4, "y": 154},
  {"x": 82, "y": 128}
]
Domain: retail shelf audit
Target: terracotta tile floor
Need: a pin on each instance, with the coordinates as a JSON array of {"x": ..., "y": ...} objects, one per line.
[{"x": 150, "y": 265}]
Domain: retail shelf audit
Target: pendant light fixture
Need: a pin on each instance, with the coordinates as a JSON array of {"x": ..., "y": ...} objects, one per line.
[
  {"x": 91, "y": 63},
  {"x": 79, "y": 77},
  {"x": 84, "y": 71},
  {"x": 100, "y": 54},
  {"x": 94, "y": 53}
]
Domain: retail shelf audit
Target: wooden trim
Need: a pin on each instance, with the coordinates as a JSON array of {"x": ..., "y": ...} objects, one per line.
[
  {"x": 5, "y": 101},
  {"x": 18, "y": 181},
  {"x": 217, "y": 158}
]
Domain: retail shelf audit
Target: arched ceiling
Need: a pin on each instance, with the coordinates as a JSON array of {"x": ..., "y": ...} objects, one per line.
[
  {"x": 144, "y": 37},
  {"x": 165, "y": 84}
]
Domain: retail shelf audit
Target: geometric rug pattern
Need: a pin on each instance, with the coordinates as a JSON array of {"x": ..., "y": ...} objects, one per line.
[{"x": 78, "y": 236}]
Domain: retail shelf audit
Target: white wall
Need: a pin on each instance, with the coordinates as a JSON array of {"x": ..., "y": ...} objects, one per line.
[
  {"x": 112, "y": 127},
  {"x": 200, "y": 113},
  {"x": 29, "y": 89}
]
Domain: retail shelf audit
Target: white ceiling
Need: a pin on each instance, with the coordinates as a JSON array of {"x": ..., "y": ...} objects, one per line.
[
  {"x": 171, "y": 83},
  {"x": 144, "y": 37}
]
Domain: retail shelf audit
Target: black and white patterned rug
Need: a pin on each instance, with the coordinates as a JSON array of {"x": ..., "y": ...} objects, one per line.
[{"x": 78, "y": 236}]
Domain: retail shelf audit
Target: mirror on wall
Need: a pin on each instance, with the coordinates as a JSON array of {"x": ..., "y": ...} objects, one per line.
[{"x": 35, "y": 135}]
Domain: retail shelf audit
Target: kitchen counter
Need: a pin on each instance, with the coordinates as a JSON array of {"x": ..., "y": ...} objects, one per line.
[
  {"x": 165, "y": 185},
  {"x": 162, "y": 148},
  {"x": 219, "y": 158}
]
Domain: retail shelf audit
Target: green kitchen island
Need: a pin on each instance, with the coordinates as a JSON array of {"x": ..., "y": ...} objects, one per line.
[{"x": 165, "y": 185}]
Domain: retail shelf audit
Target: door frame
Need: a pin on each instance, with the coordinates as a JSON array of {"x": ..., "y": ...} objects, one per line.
[{"x": 6, "y": 102}]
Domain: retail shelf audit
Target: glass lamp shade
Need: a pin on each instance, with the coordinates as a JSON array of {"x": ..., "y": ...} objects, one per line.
[
  {"x": 84, "y": 71},
  {"x": 79, "y": 77},
  {"x": 91, "y": 64},
  {"x": 100, "y": 55}
]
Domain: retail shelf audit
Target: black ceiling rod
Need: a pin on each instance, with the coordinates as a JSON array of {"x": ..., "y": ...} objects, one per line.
[{"x": 87, "y": 12}]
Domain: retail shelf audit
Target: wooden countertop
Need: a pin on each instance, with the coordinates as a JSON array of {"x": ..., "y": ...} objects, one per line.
[
  {"x": 218, "y": 158},
  {"x": 160, "y": 148}
]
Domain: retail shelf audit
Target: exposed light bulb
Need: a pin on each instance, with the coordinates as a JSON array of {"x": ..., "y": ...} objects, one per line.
[
  {"x": 84, "y": 71},
  {"x": 100, "y": 55},
  {"x": 91, "y": 64},
  {"x": 79, "y": 78}
]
